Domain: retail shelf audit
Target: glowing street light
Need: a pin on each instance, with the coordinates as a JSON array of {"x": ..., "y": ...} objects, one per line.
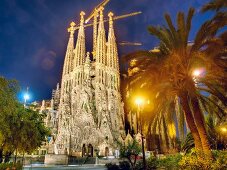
[
  {"x": 26, "y": 97},
  {"x": 196, "y": 73},
  {"x": 139, "y": 101},
  {"x": 224, "y": 129}
]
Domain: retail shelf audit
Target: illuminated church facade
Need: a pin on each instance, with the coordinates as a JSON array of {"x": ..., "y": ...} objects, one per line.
[{"x": 89, "y": 105}]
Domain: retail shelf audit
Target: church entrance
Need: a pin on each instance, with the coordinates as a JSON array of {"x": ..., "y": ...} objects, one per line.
[
  {"x": 90, "y": 150},
  {"x": 106, "y": 151},
  {"x": 84, "y": 150}
]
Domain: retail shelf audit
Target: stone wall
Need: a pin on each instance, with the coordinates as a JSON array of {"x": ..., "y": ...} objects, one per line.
[{"x": 53, "y": 159}]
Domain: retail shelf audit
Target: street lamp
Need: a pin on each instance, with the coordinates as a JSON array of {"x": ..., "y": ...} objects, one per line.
[
  {"x": 196, "y": 73},
  {"x": 224, "y": 129},
  {"x": 26, "y": 97},
  {"x": 139, "y": 102}
]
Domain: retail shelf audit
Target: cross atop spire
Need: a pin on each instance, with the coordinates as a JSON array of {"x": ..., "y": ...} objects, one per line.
[
  {"x": 72, "y": 28},
  {"x": 110, "y": 15},
  {"x": 82, "y": 13},
  {"x": 101, "y": 9}
]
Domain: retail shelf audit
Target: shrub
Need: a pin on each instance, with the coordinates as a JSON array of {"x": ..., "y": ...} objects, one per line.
[
  {"x": 152, "y": 163},
  {"x": 112, "y": 166},
  {"x": 170, "y": 162},
  {"x": 124, "y": 165},
  {"x": 197, "y": 160},
  {"x": 11, "y": 166}
]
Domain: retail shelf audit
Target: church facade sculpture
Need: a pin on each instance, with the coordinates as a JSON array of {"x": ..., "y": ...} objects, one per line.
[{"x": 90, "y": 109}]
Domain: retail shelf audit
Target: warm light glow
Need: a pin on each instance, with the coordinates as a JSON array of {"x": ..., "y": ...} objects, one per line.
[
  {"x": 197, "y": 73},
  {"x": 224, "y": 129},
  {"x": 172, "y": 130},
  {"x": 139, "y": 101},
  {"x": 26, "y": 96}
]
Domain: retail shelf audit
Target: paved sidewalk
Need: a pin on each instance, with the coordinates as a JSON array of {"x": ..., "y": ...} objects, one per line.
[{"x": 60, "y": 167}]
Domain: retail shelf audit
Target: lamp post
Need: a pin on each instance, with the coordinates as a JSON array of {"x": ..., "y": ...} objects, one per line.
[
  {"x": 26, "y": 97},
  {"x": 139, "y": 102}
]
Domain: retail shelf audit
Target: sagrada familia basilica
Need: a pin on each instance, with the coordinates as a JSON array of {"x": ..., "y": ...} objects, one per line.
[{"x": 88, "y": 104}]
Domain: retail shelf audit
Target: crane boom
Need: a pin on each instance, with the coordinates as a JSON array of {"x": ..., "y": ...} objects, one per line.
[
  {"x": 94, "y": 12},
  {"x": 124, "y": 43},
  {"x": 114, "y": 18},
  {"x": 127, "y": 15}
]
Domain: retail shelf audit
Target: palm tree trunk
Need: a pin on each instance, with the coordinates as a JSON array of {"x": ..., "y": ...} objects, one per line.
[
  {"x": 190, "y": 121},
  {"x": 199, "y": 120},
  {"x": 180, "y": 119}
]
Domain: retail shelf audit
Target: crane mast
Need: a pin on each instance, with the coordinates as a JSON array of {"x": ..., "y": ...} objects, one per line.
[{"x": 94, "y": 14}]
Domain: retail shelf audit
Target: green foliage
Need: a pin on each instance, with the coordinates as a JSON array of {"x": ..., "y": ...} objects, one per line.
[
  {"x": 21, "y": 129},
  {"x": 124, "y": 165},
  {"x": 11, "y": 166},
  {"x": 197, "y": 160},
  {"x": 167, "y": 71},
  {"x": 130, "y": 151},
  {"x": 112, "y": 166},
  {"x": 170, "y": 162},
  {"x": 188, "y": 143},
  {"x": 152, "y": 163},
  {"x": 133, "y": 148}
]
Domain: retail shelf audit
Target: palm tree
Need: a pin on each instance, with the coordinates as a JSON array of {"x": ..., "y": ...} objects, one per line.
[
  {"x": 214, "y": 5},
  {"x": 169, "y": 69}
]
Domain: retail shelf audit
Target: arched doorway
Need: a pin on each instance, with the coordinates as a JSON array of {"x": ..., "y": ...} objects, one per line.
[
  {"x": 84, "y": 150},
  {"x": 106, "y": 151},
  {"x": 90, "y": 150}
]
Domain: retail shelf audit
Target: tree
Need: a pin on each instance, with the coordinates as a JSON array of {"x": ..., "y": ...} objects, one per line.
[
  {"x": 168, "y": 70},
  {"x": 8, "y": 90},
  {"x": 130, "y": 151},
  {"x": 214, "y": 5},
  {"x": 21, "y": 129}
]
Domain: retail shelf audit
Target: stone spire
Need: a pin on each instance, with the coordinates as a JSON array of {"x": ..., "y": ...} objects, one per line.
[
  {"x": 112, "y": 55},
  {"x": 101, "y": 41},
  {"x": 80, "y": 45},
  {"x": 68, "y": 63},
  {"x": 100, "y": 55},
  {"x": 113, "y": 79}
]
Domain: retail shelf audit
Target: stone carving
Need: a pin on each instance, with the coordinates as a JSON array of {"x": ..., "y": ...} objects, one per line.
[{"x": 90, "y": 110}]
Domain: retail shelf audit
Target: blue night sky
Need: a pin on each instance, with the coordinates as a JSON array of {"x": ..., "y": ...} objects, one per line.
[{"x": 33, "y": 34}]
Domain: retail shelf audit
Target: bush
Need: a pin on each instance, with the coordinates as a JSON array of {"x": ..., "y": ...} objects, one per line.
[
  {"x": 152, "y": 163},
  {"x": 197, "y": 160},
  {"x": 170, "y": 162},
  {"x": 124, "y": 165},
  {"x": 10, "y": 166},
  {"x": 111, "y": 166}
]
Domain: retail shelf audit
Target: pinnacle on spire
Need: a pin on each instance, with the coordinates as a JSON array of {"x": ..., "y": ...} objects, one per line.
[
  {"x": 101, "y": 9},
  {"x": 82, "y": 13},
  {"x": 110, "y": 15},
  {"x": 80, "y": 45},
  {"x": 72, "y": 28}
]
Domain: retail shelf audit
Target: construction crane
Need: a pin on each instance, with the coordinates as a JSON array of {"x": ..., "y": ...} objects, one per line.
[
  {"x": 114, "y": 18},
  {"x": 95, "y": 23},
  {"x": 94, "y": 15},
  {"x": 126, "y": 43},
  {"x": 94, "y": 12}
]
